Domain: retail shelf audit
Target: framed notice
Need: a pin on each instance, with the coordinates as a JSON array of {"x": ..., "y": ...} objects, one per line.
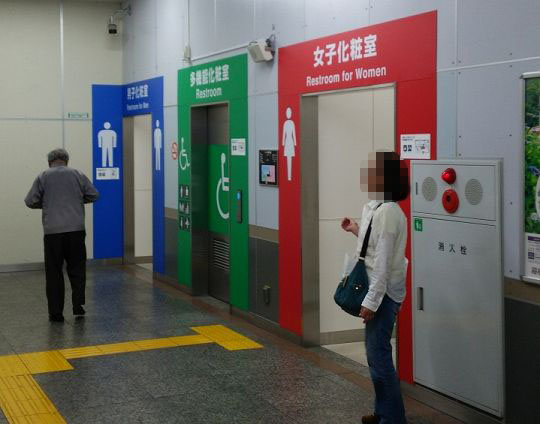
[
  {"x": 415, "y": 146},
  {"x": 268, "y": 167}
]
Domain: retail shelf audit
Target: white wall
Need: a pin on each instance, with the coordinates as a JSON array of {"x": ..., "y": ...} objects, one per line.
[
  {"x": 483, "y": 47},
  {"x": 31, "y": 121},
  {"x": 153, "y": 39}
]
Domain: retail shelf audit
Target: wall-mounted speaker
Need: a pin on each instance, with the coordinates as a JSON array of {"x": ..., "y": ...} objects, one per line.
[
  {"x": 429, "y": 189},
  {"x": 474, "y": 191}
]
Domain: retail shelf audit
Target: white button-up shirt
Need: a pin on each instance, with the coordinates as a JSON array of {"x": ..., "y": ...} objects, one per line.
[{"x": 386, "y": 264}]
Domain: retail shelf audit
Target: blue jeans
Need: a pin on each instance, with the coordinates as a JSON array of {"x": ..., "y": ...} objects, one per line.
[{"x": 388, "y": 400}]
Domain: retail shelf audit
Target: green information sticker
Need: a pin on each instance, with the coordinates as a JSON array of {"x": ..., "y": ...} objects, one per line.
[{"x": 418, "y": 224}]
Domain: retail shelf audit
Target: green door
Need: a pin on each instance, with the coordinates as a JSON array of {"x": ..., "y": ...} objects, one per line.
[
  {"x": 218, "y": 202},
  {"x": 215, "y": 174}
]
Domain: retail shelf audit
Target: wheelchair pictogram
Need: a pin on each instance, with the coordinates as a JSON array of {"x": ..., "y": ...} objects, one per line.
[
  {"x": 222, "y": 185},
  {"x": 183, "y": 158}
]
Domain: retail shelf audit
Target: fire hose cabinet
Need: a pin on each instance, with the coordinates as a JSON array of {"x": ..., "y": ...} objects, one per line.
[{"x": 457, "y": 280}]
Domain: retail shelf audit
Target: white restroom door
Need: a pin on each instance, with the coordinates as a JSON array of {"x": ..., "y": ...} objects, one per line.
[
  {"x": 142, "y": 185},
  {"x": 351, "y": 124}
]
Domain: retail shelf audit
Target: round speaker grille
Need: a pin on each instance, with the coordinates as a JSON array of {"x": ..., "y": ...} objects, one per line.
[
  {"x": 474, "y": 192},
  {"x": 429, "y": 189}
]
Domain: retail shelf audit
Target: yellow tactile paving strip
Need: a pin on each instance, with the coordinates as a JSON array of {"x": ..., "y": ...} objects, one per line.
[
  {"x": 23, "y": 401},
  {"x": 81, "y": 352},
  {"x": 41, "y": 362},
  {"x": 12, "y": 365},
  {"x": 190, "y": 340},
  {"x": 230, "y": 340}
]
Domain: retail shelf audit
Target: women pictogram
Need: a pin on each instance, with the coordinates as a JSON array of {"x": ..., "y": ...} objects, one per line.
[{"x": 289, "y": 141}]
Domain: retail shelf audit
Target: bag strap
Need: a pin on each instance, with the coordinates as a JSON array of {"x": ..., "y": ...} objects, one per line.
[{"x": 366, "y": 237}]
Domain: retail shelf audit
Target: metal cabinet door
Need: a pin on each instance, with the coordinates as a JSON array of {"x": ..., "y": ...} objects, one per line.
[{"x": 458, "y": 341}]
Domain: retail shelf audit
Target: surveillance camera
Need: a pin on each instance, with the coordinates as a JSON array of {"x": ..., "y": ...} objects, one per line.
[{"x": 112, "y": 28}]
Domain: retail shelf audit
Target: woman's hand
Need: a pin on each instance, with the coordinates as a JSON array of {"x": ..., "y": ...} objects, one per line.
[
  {"x": 350, "y": 225},
  {"x": 367, "y": 314}
]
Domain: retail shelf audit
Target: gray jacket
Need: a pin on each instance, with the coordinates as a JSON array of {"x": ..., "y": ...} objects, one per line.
[{"x": 61, "y": 193}]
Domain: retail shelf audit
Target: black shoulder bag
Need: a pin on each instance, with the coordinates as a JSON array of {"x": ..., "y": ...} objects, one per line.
[{"x": 352, "y": 290}]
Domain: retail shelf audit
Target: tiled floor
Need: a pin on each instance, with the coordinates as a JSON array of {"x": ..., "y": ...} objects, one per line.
[{"x": 203, "y": 383}]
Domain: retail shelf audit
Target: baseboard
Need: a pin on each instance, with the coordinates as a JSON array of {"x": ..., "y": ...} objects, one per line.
[
  {"x": 40, "y": 266},
  {"x": 143, "y": 260},
  {"x": 347, "y": 336},
  {"x": 104, "y": 262},
  {"x": 267, "y": 325},
  {"x": 171, "y": 282},
  {"x": 451, "y": 407},
  {"x": 37, "y": 266}
]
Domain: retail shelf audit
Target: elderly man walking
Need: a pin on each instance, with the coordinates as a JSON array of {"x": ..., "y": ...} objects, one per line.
[{"x": 61, "y": 193}]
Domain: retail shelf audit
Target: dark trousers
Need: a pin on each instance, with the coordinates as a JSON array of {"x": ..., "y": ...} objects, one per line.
[
  {"x": 68, "y": 247},
  {"x": 388, "y": 400}
]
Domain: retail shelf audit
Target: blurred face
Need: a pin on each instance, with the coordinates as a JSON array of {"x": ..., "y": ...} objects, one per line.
[{"x": 372, "y": 176}]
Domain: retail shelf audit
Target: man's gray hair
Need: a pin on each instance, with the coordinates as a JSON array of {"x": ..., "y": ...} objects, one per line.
[{"x": 58, "y": 154}]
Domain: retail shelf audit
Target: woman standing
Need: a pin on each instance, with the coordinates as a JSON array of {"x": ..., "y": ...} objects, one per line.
[{"x": 386, "y": 180}]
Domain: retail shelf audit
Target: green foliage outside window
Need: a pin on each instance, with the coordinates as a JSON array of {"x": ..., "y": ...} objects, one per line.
[{"x": 532, "y": 153}]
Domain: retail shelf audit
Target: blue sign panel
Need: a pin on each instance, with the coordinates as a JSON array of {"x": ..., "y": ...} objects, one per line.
[
  {"x": 107, "y": 164},
  {"x": 138, "y": 98}
]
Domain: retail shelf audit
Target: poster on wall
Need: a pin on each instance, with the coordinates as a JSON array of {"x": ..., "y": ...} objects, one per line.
[
  {"x": 532, "y": 178},
  {"x": 415, "y": 146}
]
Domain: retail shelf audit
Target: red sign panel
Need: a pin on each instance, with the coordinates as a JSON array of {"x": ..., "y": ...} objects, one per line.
[{"x": 403, "y": 52}]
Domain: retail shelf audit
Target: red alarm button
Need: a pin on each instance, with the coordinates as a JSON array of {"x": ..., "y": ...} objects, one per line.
[
  {"x": 450, "y": 201},
  {"x": 449, "y": 175}
]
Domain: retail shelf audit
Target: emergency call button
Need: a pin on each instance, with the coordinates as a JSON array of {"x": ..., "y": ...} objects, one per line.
[{"x": 450, "y": 201}]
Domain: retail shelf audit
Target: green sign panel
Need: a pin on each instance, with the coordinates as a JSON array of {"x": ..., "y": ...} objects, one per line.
[
  {"x": 215, "y": 174},
  {"x": 418, "y": 224}
]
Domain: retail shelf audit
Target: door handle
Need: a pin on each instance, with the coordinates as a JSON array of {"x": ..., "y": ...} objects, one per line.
[
  {"x": 266, "y": 294},
  {"x": 239, "y": 206},
  {"x": 420, "y": 299}
]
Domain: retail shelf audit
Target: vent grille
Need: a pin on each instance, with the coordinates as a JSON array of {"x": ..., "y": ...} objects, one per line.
[
  {"x": 474, "y": 192},
  {"x": 429, "y": 189},
  {"x": 220, "y": 254}
]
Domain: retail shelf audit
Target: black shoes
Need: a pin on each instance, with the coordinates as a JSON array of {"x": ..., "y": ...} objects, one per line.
[
  {"x": 56, "y": 318},
  {"x": 78, "y": 310}
]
